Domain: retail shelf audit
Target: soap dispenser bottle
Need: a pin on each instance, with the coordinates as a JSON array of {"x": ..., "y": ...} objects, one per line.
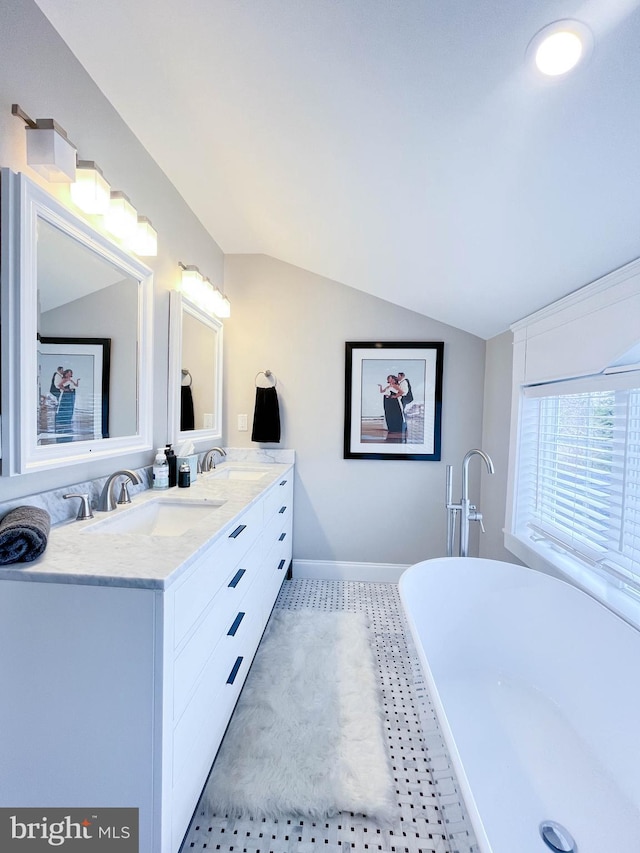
[
  {"x": 160, "y": 470},
  {"x": 172, "y": 462}
]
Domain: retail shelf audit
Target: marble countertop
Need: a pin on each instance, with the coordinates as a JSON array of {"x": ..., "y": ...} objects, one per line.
[{"x": 76, "y": 554}]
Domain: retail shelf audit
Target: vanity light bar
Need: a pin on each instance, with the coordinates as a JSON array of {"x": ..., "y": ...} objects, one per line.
[
  {"x": 51, "y": 154},
  {"x": 202, "y": 292}
]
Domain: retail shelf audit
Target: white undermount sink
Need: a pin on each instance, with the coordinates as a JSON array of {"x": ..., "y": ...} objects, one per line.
[
  {"x": 159, "y": 517},
  {"x": 238, "y": 474}
]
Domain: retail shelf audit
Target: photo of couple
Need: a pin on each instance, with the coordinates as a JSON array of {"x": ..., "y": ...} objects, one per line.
[
  {"x": 393, "y": 400},
  {"x": 62, "y": 394},
  {"x": 397, "y": 395},
  {"x": 70, "y": 399},
  {"x": 393, "y": 411},
  {"x": 58, "y": 411}
]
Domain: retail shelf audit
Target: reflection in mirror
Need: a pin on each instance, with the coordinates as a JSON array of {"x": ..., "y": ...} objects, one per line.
[
  {"x": 195, "y": 378},
  {"x": 199, "y": 369},
  {"x": 87, "y": 342},
  {"x": 76, "y": 342}
]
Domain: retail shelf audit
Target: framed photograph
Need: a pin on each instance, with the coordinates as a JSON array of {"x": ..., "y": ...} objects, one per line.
[
  {"x": 73, "y": 389},
  {"x": 393, "y": 401}
]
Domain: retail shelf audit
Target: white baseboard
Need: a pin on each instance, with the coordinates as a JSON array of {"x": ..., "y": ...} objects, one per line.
[{"x": 334, "y": 571}]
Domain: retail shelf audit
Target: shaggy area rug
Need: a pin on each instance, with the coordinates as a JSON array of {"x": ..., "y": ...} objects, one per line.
[{"x": 307, "y": 735}]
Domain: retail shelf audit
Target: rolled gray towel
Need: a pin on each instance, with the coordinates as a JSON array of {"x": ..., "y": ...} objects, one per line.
[{"x": 24, "y": 533}]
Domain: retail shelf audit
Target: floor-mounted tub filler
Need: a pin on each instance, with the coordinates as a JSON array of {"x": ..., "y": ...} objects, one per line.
[{"x": 537, "y": 689}]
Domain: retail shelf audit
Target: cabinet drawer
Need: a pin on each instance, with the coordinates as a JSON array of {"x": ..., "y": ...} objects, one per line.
[
  {"x": 275, "y": 569},
  {"x": 220, "y": 619},
  {"x": 211, "y": 574},
  {"x": 197, "y": 734},
  {"x": 278, "y": 496},
  {"x": 272, "y": 588},
  {"x": 273, "y": 580},
  {"x": 195, "y": 750},
  {"x": 274, "y": 525},
  {"x": 279, "y": 543}
]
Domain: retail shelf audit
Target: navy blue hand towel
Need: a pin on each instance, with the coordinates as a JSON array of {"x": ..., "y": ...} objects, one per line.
[
  {"x": 24, "y": 533},
  {"x": 266, "y": 416}
]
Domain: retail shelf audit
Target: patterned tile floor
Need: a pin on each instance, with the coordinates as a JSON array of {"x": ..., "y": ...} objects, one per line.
[{"x": 431, "y": 817}]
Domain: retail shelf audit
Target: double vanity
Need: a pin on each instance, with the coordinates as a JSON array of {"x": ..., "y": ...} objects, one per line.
[{"x": 125, "y": 646}]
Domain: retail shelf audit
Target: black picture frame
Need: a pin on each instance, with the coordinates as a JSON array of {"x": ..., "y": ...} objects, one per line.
[
  {"x": 373, "y": 426},
  {"x": 90, "y": 361}
]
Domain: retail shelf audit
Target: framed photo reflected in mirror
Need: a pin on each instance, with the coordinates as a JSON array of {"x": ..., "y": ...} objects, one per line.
[{"x": 73, "y": 389}]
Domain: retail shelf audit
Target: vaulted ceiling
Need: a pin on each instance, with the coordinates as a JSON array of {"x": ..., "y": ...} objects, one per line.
[{"x": 402, "y": 147}]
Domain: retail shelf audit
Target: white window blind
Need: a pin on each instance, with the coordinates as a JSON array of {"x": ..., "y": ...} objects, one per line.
[{"x": 579, "y": 472}]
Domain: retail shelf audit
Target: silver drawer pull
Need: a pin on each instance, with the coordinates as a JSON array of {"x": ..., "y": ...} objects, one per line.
[
  {"x": 281, "y": 537},
  {"x": 235, "y": 580},
  {"x": 281, "y": 565},
  {"x": 282, "y": 509},
  {"x": 234, "y": 671},
  {"x": 237, "y": 531},
  {"x": 236, "y": 624}
]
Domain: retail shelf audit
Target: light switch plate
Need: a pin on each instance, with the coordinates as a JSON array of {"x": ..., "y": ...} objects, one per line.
[{"x": 242, "y": 423}]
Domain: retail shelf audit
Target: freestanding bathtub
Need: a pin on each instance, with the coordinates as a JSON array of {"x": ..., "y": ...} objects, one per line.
[{"x": 537, "y": 690}]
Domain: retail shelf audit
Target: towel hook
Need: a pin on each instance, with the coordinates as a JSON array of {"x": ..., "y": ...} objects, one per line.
[
  {"x": 268, "y": 375},
  {"x": 186, "y": 373}
]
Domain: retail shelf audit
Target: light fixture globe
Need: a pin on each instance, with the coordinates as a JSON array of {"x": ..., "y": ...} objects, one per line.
[
  {"x": 121, "y": 217},
  {"x": 558, "y": 48},
  {"x": 224, "y": 308},
  {"x": 145, "y": 243},
  {"x": 90, "y": 192},
  {"x": 50, "y": 152}
]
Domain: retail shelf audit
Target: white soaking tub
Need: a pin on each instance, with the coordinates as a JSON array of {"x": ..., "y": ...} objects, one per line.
[{"x": 537, "y": 689}]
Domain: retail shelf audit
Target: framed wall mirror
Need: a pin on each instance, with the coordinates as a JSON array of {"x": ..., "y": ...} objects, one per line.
[
  {"x": 195, "y": 374},
  {"x": 76, "y": 339}
]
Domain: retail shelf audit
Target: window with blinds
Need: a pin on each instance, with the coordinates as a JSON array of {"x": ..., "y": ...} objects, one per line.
[{"x": 579, "y": 472}]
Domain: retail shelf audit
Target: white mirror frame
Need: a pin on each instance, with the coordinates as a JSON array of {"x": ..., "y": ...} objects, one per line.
[
  {"x": 202, "y": 438},
  {"x": 23, "y": 202}
]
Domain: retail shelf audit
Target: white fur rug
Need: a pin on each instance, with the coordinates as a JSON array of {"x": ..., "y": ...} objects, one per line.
[{"x": 307, "y": 734}]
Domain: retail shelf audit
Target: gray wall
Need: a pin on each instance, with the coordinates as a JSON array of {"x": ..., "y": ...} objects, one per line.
[
  {"x": 296, "y": 323},
  {"x": 495, "y": 440}
]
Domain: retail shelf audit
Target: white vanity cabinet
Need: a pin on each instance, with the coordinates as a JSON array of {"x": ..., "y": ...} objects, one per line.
[
  {"x": 120, "y": 696},
  {"x": 218, "y": 620}
]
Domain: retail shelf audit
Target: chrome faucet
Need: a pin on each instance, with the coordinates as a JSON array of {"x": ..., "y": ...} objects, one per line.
[
  {"x": 105, "y": 501},
  {"x": 468, "y": 511},
  {"x": 84, "y": 510},
  {"x": 209, "y": 458}
]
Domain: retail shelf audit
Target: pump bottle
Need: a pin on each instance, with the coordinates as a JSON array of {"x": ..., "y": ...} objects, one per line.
[
  {"x": 160, "y": 470},
  {"x": 172, "y": 462}
]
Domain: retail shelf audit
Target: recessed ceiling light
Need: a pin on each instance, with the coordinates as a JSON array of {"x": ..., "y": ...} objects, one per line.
[{"x": 559, "y": 47}]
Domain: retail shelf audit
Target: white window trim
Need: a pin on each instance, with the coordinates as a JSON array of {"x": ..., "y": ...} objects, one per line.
[{"x": 592, "y": 331}]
